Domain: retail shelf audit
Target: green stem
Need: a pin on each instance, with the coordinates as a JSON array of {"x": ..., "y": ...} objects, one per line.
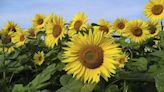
[
  {"x": 162, "y": 25},
  {"x": 4, "y": 69}
]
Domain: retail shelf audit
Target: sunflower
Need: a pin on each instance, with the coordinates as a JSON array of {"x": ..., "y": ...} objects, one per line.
[
  {"x": 104, "y": 26},
  {"x": 39, "y": 58},
  {"x": 78, "y": 23},
  {"x": 11, "y": 26},
  {"x": 38, "y": 21},
  {"x": 31, "y": 32},
  {"x": 6, "y": 37},
  {"x": 20, "y": 38},
  {"x": 90, "y": 56},
  {"x": 154, "y": 10},
  {"x": 154, "y": 28},
  {"x": 137, "y": 31},
  {"x": 54, "y": 31},
  {"x": 122, "y": 59},
  {"x": 120, "y": 25}
]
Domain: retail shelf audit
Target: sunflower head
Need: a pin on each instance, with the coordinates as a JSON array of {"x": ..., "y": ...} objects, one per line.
[
  {"x": 90, "y": 56},
  {"x": 120, "y": 25},
  {"x": 154, "y": 10},
  {"x": 78, "y": 23},
  {"x": 54, "y": 31},
  {"x": 11, "y": 26},
  {"x": 104, "y": 26},
  {"x": 6, "y": 36},
  {"x": 122, "y": 59},
  {"x": 38, "y": 21},
  {"x": 154, "y": 28},
  {"x": 39, "y": 58},
  {"x": 31, "y": 33},
  {"x": 20, "y": 38},
  {"x": 137, "y": 31}
]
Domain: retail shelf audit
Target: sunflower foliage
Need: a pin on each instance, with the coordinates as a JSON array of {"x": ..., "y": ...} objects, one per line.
[{"x": 58, "y": 56}]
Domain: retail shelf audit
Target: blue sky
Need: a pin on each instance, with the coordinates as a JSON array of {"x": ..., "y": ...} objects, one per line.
[{"x": 22, "y": 11}]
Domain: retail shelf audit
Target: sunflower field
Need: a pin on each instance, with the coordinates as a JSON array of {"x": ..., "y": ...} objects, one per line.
[{"x": 58, "y": 56}]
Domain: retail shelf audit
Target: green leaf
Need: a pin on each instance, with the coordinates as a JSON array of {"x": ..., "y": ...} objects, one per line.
[
  {"x": 87, "y": 87},
  {"x": 72, "y": 85},
  {"x": 139, "y": 64},
  {"x": 64, "y": 80},
  {"x": 112, "y": 88},
  {"x": 159, "y": 81},
  {"x": 158, "y": 54},
  {"x": 40, "y": 79},
  {"x": 18, "y": 88}
]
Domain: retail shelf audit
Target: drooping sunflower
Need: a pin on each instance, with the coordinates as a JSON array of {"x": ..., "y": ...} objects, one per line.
[
  {"x": 39, "y": 58},
  {"x": 120, "y": 25},
  {"x": 90, "y": 56},
  {"x": 6, "y": 37},
  {"x": 122, "y": 59},
  {"x": 78, "y": 23},
  {"x": 20, "y": 38},
  {"x": 137, "y": 31},
  {"x": 54, "y": 31},
  {"x": 154, "y": 10},
  {"x": 11, "y": 26},
  {"x": 38, "y": 21},
  {"x": 104, "y": 26},
  {"x": 154, "y": 28}
]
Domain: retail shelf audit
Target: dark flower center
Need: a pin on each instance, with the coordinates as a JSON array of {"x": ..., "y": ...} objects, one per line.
[
  {"x": 77, "y": 25},
  {"x": 104, "y": 28},
  {"x": 121, "y": 25},
  {"x": 157, "y": 9},
  {"x": 40, "y": 21},
  {"x": 56, "y": 30},
  {"x": 22, "y": 38},
  {"x": 12, "y": 28},
  {"x": 152, "y": 29},
  {"x": 137, "y": 31},
  {"x": 91, "y": 57}
]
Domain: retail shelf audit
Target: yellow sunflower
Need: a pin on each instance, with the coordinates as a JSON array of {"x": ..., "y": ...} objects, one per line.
[
  {"x": 78, "y": 23},
  {"x": 154, "y": 28},
  {"x": 137, "y": 31},
  {"x": 11, "y": 26},
  {"x": 31, "y": 32},
  {"x": 154, "y": 10},
  {"x": 39, "y": 58},
  {"x": 90, "y": 56},
  {"x": 122, "y": 59},
  {"x": 54, "y": 31},
  {"x": 20, "y": 38},
  {"x": 6, "y": 39},
  {"x": 104, "y": 26},
  {"x": 120, "y": 25},
  {"x": 38, "y": 21}
]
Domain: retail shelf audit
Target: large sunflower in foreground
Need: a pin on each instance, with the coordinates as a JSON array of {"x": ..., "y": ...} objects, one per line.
[
  {"x": 11, "y": 26},
  {"x": 78, "y": 23},
  {"x": 120, "y": 25},
  {"x": 6, "y": 40},
  {"x": 90, "y": 56},
  {"x": 54, "y": 31},
  {"x": 104, "y": 26},
  {"x": 38, "y": 21},
  {"x": 137, "y": 31},
  {"x": 154, "y": 10},
  {"x": 154, "y": 28},
  {"x": 20, "y": 38},
  {"x": 39, "y": 58}
]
